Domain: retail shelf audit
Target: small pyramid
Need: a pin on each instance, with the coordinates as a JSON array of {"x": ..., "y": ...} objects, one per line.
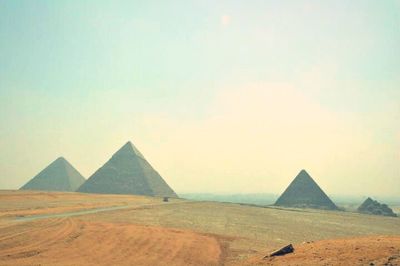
[
  {"x": 371, "y": 206},
  {"x": 304, "y": 192},
  {"x": 60, "y": 175},
  {"x": 127, "y": 172},
  {"x": 366, "y": 203}
]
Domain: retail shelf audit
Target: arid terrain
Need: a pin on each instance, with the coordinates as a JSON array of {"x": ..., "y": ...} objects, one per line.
[
  {"x": 371, "y": 250},
  {"x": 41, "y": 228}
]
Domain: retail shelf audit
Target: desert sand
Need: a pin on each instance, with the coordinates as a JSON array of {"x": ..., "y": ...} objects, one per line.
[
  {"x": 68, "y": 241},
  {"x": 148, "y": 231},
  {"x": 372, "y": 250}
]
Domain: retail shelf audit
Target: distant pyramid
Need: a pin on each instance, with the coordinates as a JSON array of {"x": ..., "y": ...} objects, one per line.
[
  {"x": 303, "y": 192},
  {"x": 127, "y": 172},
  {"x": 60, "y": 175},
  {"x": 371, "y": 206}
]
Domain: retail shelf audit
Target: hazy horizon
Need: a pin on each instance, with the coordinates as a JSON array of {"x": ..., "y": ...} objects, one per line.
[{"x": 220, "y": 97}]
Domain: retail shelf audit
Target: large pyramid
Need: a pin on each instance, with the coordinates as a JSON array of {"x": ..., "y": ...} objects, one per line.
[
  {"x": 303, "y": 192},
  {"x": 60, "y": 175},
  {"x": 127, "y": 172}
]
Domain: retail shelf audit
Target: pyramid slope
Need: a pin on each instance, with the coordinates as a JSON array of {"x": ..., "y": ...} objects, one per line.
[
  {"x": 60, "y": 175},
  {"x": 127, "y": 172},
  {"x": 370, "y": 206},
  {"x": 305, "y": 192}
]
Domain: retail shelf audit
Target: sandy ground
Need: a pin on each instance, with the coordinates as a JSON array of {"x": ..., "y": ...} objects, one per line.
[
  {"x": 254, "y": 229},
  {"x": 151, "y": 232},
  {"x": 373, "y": 250},
  {"x": 71, "y": 241},
  {"x": 27, "y": 203}
]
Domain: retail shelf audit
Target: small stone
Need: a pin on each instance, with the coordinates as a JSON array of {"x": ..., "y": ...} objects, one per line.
[{"x": 282, "y": 251}]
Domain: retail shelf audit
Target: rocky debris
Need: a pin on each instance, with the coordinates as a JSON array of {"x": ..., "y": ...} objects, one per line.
[
  {"x": 371, "y": 206},
  {"x": 282, "y": 251}
]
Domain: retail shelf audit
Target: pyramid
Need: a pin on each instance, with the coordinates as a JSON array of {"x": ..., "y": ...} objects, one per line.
[
  {"x": 371, "y": 206},
  {"x": 127, "y": 172},
  {"x": 60, "y": 175},
  {"x": 303, "y": 192}
]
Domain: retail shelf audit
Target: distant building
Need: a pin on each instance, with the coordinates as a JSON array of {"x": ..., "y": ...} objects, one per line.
[
  {"x": 371, "y": 206},
  {"x": 60, "y": 175},
  {"x": 127, "y": 172},
  {"x": 304, "y": 192}
]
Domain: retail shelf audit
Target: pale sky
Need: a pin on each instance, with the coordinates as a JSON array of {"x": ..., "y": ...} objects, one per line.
[{"x": 219, "y": 96}]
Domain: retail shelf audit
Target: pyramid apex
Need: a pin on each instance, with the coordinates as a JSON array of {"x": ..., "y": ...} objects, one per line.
[
  {"x": 128, "y": 145},
  {"x": 304, "y": 171},
  {"x": 369, "y": 199},
  {"x": 129, "y": 148},
  {"x": 303, "y": 174},
  {"x": 60, "y": 160}
]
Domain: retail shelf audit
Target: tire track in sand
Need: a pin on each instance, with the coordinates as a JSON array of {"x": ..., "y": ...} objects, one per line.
[{"x": 68, "y": 241}]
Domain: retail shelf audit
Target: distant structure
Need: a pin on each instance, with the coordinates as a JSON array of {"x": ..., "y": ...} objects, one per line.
[
  {"x": 304, "y": 192},
  {"x": 127, "y": 172},
  {"x": 371, "y": 206},
  {"x": 60, "y": 175}
]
